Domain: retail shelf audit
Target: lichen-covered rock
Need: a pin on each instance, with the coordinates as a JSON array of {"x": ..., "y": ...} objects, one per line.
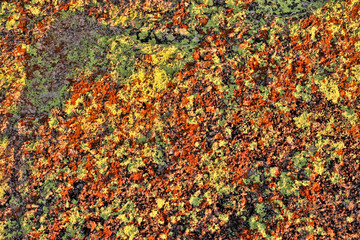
[{"x": 68, "y": 48}]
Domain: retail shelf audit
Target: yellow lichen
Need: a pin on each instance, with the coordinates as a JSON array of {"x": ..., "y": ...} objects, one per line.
[{"x": 302, "y": 121}]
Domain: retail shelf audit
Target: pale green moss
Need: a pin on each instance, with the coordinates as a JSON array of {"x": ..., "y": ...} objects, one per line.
[
  {"x": 319, "y": 166},
  {"x": 196, "y": 199},
  {"x": 224, "y": 217},
  {"x": 329, "y": 88},
  {"x": 131, "y": 231},
  {"x": 302, "y": 121},
  {"x": 286, "y": 186},
  {"x": 3, "y": 186},
  {"x": 160, "y": 202},
  {"x": 350, "y": 114},
  {"x": 153, "y": 213},
  {"x": 300, "y": 160}
]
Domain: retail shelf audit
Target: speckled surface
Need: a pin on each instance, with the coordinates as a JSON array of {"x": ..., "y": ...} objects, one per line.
[{"x": 192, "y": 119}]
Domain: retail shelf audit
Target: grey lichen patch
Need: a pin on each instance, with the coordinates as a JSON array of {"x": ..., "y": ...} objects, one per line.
[
  {"x": 285, "y": 8},
  {"x": 69, "y": 48}
]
